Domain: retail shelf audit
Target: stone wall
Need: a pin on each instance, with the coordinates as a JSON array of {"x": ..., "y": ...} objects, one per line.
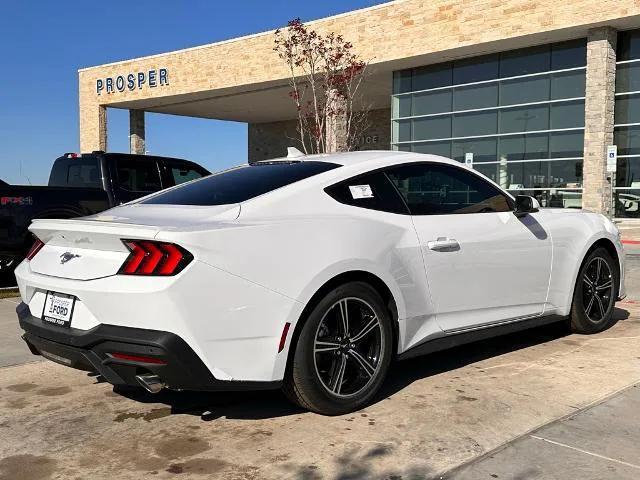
[
  {"x": 599, "y": 118},
  {"x": 270, "y": 140}
]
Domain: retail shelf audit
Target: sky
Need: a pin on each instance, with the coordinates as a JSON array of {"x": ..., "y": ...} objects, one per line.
[{"x": 43, "y": 43}]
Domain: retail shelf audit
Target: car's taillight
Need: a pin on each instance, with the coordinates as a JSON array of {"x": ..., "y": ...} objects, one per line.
[
  {"x": 35, "y": 248},
  {"x": 149, "y": 257}
]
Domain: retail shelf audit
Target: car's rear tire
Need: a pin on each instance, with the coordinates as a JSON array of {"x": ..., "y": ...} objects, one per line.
[
  {"x": 595, "y": 293},
  {"x": 334, "y": 369}
]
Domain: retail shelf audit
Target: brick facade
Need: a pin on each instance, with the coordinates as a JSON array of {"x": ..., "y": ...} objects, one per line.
[
  {"x": 271, "y": 139},
  {"x": 393, "y": 36}
]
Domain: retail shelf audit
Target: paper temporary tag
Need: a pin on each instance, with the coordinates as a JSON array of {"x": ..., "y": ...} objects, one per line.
[{"x": 361, "y": 191}]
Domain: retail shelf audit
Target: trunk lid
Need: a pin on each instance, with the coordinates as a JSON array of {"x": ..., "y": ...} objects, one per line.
[
  {"x": 92, "y": 247},
  {"x": 83, "y": 249}
]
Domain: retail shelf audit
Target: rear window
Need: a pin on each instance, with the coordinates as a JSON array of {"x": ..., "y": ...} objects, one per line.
[
  {"x": 240, "y": 184},
  {"x": 81, "y": 172}
]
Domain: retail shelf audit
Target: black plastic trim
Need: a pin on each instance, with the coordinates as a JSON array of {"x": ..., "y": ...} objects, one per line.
[
  {"x": 456, "y": 339},
  {"x": 89, "y": 350}
]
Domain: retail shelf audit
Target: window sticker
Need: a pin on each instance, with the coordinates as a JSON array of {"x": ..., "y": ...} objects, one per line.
[{"x": 361, "y": 191}]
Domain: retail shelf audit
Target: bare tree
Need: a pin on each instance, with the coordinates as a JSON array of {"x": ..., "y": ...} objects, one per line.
[{"x": 326, "y": 80}]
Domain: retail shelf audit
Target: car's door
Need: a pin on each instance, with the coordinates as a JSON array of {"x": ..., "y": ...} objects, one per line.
[{"x": 483, "y": 264}]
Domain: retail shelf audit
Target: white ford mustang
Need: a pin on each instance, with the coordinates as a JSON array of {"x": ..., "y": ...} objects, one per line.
[{"x": 311, "y": 273}]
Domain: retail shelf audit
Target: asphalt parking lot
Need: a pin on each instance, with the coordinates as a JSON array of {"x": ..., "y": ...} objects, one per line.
[{"x": 535, "y": 405}]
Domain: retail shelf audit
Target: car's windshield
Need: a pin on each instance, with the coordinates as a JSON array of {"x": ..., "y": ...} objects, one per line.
[{"x": 240, "y": 184}]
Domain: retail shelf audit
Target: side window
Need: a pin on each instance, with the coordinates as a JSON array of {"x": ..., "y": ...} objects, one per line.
[
  {"x": 183, "y": 173},
  {"x": 373, "y": 191},
  {"x": 81, "y": 172},
  {"x": 138, "y": 175},
  {"x": 436, "y": 189}
]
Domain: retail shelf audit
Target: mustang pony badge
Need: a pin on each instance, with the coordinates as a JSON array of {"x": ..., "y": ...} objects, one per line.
[{"x": 66, "y": 256}]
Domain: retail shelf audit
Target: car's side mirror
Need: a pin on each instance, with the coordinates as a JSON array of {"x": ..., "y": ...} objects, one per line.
[{"x": 525, "y": 204}]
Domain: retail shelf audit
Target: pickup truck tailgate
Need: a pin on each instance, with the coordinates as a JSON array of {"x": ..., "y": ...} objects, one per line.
[{"x": 84, "y": 249}]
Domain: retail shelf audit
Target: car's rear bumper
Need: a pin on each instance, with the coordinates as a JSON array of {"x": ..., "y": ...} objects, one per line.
[{"x": 175, "y": 363}]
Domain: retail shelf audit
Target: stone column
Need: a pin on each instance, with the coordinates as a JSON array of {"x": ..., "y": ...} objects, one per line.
[
  {"x": 93, "y": 128},
  {"x": 336, "y": 125},
  {"x": 136, "y": 132},
  {"x": 599, "y": 113}
]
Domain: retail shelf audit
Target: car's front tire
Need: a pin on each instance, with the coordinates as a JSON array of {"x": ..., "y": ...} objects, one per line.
[
  {"x": 343, "y": 351},
  {"x": 595, "y": 293}
]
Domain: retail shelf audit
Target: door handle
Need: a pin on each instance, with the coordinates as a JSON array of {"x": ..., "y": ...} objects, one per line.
[{"x": 444, "y": 244}]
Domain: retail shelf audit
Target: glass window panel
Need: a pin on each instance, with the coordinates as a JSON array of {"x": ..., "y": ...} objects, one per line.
[
  {"x": 525, "y": 61},
  {"x": 401, "y": 106},
  {"x": 569, "y": 54},
  {"x": 432, "y": 127},
  {"x": 627, "y": 203},
  {"x": 565, "y": 173},
  {"x": 524, "y": 90},
  {"x": 489, "y": 170},
  {"x": 568, "y": 84},
  {"x": 627, "y": 139},
  {"x": 432, "y": 189},
  {"x": 434, "y": 148},
  {"x": 483, "y": 149},
  {"x": 524, "y": 147},
  {"x": 628, "y": 109},
  {"x": 567, "y": 115},
  {"x": 628, "y": 172},
  {"x": 475, "y": 69},
  {"x": 628, "y": 77},
  {"x": 431, "y": 76},
  {"x": 475, "y": 96},
  {"x": 402, "y": 130},
  {"x": 524, "y": 119},
  {"x": 431, "y": 102},
  {"x": 553, "y": 198},
  {"x": 402, "y": 81},
  {"x": 404, "y": 147},
  {"x": 476, "y": 123},
  {"x": 566, "y": 144},
  {"x": 528, "y": 174},
  {"x": 629, "y": 45}
]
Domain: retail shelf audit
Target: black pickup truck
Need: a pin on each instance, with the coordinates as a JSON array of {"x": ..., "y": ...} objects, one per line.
[{"x": 82, "y": 185}]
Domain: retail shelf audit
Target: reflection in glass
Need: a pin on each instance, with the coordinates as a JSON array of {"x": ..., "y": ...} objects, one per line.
[
  {"x": 428, "y": 128},
  {"x": 627, "y": 139},
  {"x": 628, "y": 172},
  {"x": 475, "y": 96},
  {"x": 524, "y": 90},
  {"x": 627, "y": 203},
  {"x": 483, "y": 149},
  {"x": 567, "y": 114},
  {"x": 524, "y": 147},
  {"x": 628, "y": 77},
  {"x": 431, "y": 102},
  {"x": 553, "y": 198},
  {"x": 628, "y": 109},
  {"x": 524, "y": 119},
  {"x": 475, "y": 123}
]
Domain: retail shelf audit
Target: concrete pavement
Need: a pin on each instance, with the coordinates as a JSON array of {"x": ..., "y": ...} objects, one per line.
[
  {"x": 597, "y": 443},
  {"x": 434, "y": 414},
  {"x": 13, "y": 350}
]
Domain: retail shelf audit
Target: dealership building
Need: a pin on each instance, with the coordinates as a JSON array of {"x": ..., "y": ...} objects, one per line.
[{"x": 534, "y": 93}]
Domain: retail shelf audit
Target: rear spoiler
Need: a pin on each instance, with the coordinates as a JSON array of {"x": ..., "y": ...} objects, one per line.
[{"x": 89, "y": 233}]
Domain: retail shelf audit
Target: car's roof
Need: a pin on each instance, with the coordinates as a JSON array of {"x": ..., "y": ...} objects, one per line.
[{"x": 366, "y": 156}]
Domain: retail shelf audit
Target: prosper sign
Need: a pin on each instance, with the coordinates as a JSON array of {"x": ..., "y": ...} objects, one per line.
[{"x": 133, "y": 81}]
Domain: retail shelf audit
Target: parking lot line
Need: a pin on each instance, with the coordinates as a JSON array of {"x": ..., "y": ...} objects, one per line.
[{"x": 559, "y": 444}]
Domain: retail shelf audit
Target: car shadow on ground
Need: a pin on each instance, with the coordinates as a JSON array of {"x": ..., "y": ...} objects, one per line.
[{"x": 271, "y": 404}]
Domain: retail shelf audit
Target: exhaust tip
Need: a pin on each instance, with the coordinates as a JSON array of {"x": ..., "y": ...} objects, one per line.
[{"x": 151, "y": 383}]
